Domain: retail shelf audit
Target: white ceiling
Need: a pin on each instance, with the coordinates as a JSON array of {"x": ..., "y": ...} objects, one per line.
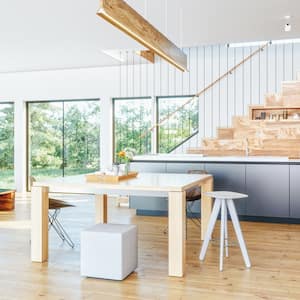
[{"x": 59, "y": 34}]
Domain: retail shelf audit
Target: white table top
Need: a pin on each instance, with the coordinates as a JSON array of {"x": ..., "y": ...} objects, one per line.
[{"x": 147, "y": 182}]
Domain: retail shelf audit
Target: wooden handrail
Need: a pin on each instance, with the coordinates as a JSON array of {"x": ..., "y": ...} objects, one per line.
[{"x": 229, "y": 72}]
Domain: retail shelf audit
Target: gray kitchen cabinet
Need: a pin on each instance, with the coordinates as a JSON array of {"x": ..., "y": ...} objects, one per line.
[
  {"x": 295, "y": 191},
  {"x": 183, "y": 167},
  {"x": 153, "y": 167},
  {"x": 142, "y": 203},
  {"x": 192, "y": 207},
  {"x": 268, "y": 190},
  {"x": 229, "y": 177}
]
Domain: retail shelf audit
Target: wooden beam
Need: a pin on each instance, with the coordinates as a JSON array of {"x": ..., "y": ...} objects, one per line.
[
  {"x": 124, "y": 17},
  {"x": 148, "y": 55}
]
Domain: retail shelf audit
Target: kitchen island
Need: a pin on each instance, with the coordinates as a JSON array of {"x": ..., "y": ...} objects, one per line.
[{"x": 272, "y": 183}]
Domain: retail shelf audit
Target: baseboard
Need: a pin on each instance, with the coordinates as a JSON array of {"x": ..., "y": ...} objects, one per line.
[{"x": 163, "y": 213}]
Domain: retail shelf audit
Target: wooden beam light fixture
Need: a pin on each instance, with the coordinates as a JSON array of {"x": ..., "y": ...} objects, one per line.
[{"x": 124, "y": 17}]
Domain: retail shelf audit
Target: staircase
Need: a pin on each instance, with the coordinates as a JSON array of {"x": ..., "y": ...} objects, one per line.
[{"x": 272, "y": 129}]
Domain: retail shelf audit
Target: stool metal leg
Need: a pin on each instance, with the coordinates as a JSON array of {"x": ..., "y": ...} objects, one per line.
[
  {"x": 222, "y": 234},
  {"x": 226, "y": 230},
  {"x": 238, "y": 231},
  {"x": 61, "y": 232},
  {"x": 210, "y": 228}
]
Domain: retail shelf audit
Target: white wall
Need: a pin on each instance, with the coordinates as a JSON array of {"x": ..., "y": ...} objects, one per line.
[
  {"x": 57, "y": 85},
  {"x": 232, "y": 96}
]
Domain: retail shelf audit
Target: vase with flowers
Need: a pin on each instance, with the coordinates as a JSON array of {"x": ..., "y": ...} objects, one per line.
[{"x": 123, "y": 159}]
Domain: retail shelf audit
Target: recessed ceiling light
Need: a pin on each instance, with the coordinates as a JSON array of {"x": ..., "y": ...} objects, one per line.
[
  {"x": 287, "y": 17},
  {"x": 287, "y": 27}
]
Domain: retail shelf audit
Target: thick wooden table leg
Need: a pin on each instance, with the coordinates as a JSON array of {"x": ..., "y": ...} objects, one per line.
[
  {"x": 206, "y": 205},
  {"x": 177, "y": 219},
  {"x": 39, "y": 223},
  {"x": 101, "y": 208}
]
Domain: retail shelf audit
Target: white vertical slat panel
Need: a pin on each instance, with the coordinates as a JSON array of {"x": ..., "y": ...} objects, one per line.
[
  {"x": 211, "y": 91},
  {"x": 247, "y": 80},
  {"x": 280, "y": 67},
  {"x": 163, "y": 70},
  {"x": 238, "y": 83},
  {"x": 231, "y": 86},
  {"x": 259, "y": 78},
  {"x": 288, "y": 62},
  {"x": 172, "y": 86},
  {"x": 157, "y": 76},
  {"x": 200, "y": 86},
  {"x": 208, "y": 96},
  {"x": 132, "y": 75},
  {"x": 135, "y": 82},
  {"x": 223, "y": 87},
  {"x": 215, "y": 90},
  {"x": 193, "y": 71},
  {"x": 272, "y": 67},
  {"x": 255, "y": 78},
  {"x": 185, "y": 75},
  {"x": 267, "y": 55},
  {"x": 263, "y": 75},
  {"x": 153, "y": 85},
  {"x": 296, "y": 59},
  {"x": 189, "y": 73}
]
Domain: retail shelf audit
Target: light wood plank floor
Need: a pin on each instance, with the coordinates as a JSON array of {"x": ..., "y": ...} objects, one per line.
[{"x": 274, "y": 250}]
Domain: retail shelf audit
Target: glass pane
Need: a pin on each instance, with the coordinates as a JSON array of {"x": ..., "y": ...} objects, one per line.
[
  {"x": 132, "y": 121},
  {"x": 7, "y": 145},
  {"x": 180, "y": 126},
  {"x": 82, "y": 137},
  {"x": 45, "y": 140}
]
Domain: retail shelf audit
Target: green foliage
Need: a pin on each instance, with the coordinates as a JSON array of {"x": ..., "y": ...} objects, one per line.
[
  {"x": 7, "y": 179},
  {"x": 64, "y": 136},
  {"x": 6, "y": 136},
  {"x": 179, "y": 126},
  {"x": 133, "y": 119}
]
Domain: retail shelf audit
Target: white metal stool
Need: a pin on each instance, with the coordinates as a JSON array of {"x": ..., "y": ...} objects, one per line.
[{"x": 224, "y": 200}]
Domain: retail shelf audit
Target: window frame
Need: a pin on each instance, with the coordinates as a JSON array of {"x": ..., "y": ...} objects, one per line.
[
  {"x": 14, "y": 106},
  {"x": 157, "y": 117},
  {"x": 114, "y": 99},
  {"x": 62, "y": 101}
]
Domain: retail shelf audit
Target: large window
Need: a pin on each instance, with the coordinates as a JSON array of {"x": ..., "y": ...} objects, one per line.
[
  {"x": 132, "y": 121},
  {"x": 7, "y": 145},
  {"x": 64, "y": 138},
  {"x": 180, "y": 126}
]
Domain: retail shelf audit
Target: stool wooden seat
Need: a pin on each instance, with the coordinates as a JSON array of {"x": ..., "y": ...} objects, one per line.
[
  {"x": 224, "y": 201},
  {"x": 7, "y": 199}
]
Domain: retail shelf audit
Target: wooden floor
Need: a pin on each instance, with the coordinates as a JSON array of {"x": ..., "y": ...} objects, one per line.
[{"x": 274, "y": 250}]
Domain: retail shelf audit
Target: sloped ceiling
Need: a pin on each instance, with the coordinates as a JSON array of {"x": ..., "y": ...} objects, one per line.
[{"x": 59, "y": 34}]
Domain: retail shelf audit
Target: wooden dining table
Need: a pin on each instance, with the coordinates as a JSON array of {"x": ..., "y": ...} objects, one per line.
[{"x": 173, "y": 186}]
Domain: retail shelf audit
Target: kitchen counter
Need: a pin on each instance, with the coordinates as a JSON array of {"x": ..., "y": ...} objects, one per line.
[
  {"x": 223, "y": 159},
  {"x": 272, "y": 183}
]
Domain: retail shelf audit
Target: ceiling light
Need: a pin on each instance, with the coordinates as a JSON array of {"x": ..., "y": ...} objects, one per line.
[
  {"x": 122, "y": 16},
  {"x": 287, "y": 41},
  {"x": 287, "y": 27},
  {"x": 247, "y": 44}
]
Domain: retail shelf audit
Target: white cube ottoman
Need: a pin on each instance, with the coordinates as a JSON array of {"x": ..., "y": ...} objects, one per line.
[{"x": 108, "y": 251}]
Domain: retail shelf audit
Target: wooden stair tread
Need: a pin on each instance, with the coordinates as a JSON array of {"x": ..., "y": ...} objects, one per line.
[{"x": 261, "y": 137}]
